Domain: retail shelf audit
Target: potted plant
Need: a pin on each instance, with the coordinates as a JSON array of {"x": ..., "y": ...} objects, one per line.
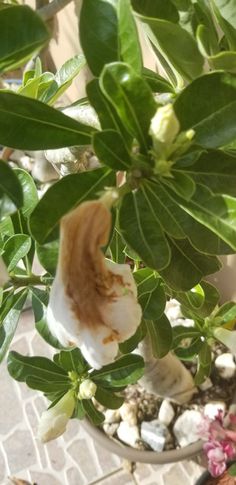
[{"x": 145, "y": 226}]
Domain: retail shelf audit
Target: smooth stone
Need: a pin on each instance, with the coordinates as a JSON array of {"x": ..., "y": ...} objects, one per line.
[
  {"x": 211, "y": 408},
  {"x": 110, "y": 429},
  {"x": 186, "y": 427},
  {"x": 112, "y": 416},
  {"x": 128, "y": 412},
  {"x": 154, "y": 434},
  {"x": 207, "y": 384},
  {"x": 128, "y": 434},
  {"x": 225, "y": 365},
  {"x": 166, "y": 413}
]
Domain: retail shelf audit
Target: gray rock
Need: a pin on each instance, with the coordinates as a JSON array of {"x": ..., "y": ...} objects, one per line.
[
  {"x": 225, "y": 365},
  {"x": 166, "y": 413},
  {"x": 154, "y": 434},
  {"x": 186, "y": 427}
]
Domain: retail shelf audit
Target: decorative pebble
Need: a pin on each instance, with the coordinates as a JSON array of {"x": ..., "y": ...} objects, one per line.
[
  {"x": 110, "y": 429},
  {"x": 225, "y": 365},
  {"x": 211, "y": 408},
  {"x": 154, "y": 434},
  {"x": 166, "y": 413},
  {"x": 128, "y": 434},
  {"x": 186, "y": 427},
  {"x": 207, "y": 384},
  {"x": 112, "y": 416},
  {"x": 128, "y": 412}
]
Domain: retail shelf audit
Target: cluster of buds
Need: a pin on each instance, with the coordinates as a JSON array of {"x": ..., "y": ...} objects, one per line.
[{"x": 219, "y": 435}]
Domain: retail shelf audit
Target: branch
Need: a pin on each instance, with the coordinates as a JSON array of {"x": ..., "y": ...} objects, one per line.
[{"x": 52, "y": 9}]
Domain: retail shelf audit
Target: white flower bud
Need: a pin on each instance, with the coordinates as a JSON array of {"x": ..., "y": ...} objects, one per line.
[
  {"x": 87, "y": 389},
  {"x": 4, "y": 276},
  {"x": 164, "y": 126},
  {"x": 227, "y": 337},
  {"x": 53, "y": 422}
]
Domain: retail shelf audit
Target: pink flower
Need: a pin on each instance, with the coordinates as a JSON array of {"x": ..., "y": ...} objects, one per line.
[{"x": 216, "y": 458}]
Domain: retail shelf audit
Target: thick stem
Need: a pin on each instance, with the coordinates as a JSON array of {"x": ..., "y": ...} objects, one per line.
[{"x": 166, "y": 377}]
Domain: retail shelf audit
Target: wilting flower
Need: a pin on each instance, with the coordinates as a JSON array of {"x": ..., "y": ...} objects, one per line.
[
  {"x": 87, "y": 389},
  {"x": 53, "y": 422},
  {"x": 164, "y": 126},
  {"x": 227, "y": 337},
  {"x": 4, "y": 277},
  {"x": 93, "y": 302}
]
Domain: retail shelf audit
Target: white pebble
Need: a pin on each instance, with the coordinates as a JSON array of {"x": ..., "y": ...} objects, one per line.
[
  {"x": 207, "y": 384},
  {"x": 128, "y": 434},
  {"x": 112, "y": 416},
  {"x": 128, "y": 412},
  {"x": 225, "y": 365},
  {"x": 166, "y": 413},
  {"x": 186, "y": 427},
  {"x": 211, "y": 408}
]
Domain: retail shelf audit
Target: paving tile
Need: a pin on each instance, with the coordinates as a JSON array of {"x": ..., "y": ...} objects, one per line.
[
  {"x": 20, "y": 451},
  {"x": 74, "y": 477},
  {"x": 107, "y": 461},
  {"x": 26, "y": 322},
  {"x": 84, "y": 456},
  {"x": 8, "y": 401},
  {"x": 118, "y": 478},
  {"x": 56, "y": 455},
  {"x": 32, "y": 419},
  {"x": 2, "y": 467},
  {"x": 41, "y": 478}
]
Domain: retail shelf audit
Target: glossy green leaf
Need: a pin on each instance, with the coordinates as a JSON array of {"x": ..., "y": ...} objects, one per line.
[
  {"x": 187, "y": 266},
  {"x": 64, "y": 196},
  {"x": 95, "y": 416},
  {"x": 181, "y": 183},
  {"x": 227, "y": 312},
  {"x": 27, "y": 36},
  {"x": 116, "y": 247},
  {"x": 196, "y": 305},
  {"x": 129, "y": 46},
  {"x": 204, "y": 19},
  {"x": 141, "y": 229},
  {"x": 10, "y": 321},
  {"x": 224, "y": 60},
  {"x": 177, "y": 46},
  {"x": 157, "y": 9},
  {"x": 54, "y": 386},
  {"x": 72, "y": 360},
  {"x": 39, "y": 303},
  {"x": 10, "y": 187},
  {"x": 30, "y": 194},
  {"x": 16, "y": 248},
  {"x": 111, "y": 150},
  {"x": 204, "y": 364},
  {"x": 157, "y": 83},
  {"x": 160, "y": 332},
  {"x": 151, "y": 294},
  {"x": 79, "y": 411},
  {"x": 212, "y": 117},
  {"x": 189, "y": 352},
  {"x": 126, "y": 370},
  {"x": 181, "y": 332},
  {"x": 132, "y": 343},
  {"x": 99, "y": 33},
  {"x": 21, "y": 367},
  {"x": 227, "y": 9},
  {"x": 29, "y": 124},
  {"x": 131, "y": 97},
  {"x": 48, "y": 256},
  {"x": 108, "y": 399}
]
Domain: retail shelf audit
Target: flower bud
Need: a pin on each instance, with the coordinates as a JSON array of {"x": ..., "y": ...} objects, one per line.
[
  {"x": 164, "y": 126},
  {"x": 87, "y": 389},
  {"x": 4, "y": 277},
  {"x": 53, "y": 422}
]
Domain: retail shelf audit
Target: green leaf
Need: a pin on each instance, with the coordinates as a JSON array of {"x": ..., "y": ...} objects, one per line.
[
  {"x": 21, "y": 367},
  {"x": 177, "y": 46},
  {"x": 141, "y": 229},
  {"x": 151, "y": 294},
  {"x": 160, "y": 332},
  {"x": 22, "y": 33},
  {"x": 79, "y": 411},
  {"x": 131, "y": 97},
  {"x": 126, "y": 370},
  {"x": 39, "y": 303},
  {"x": 111, "y": 150},
  {"x": 199, "y": 305},
  {"x": 48, "y": 256},
  {"x": 29, "y": 124},
  {"x": 10, "y": 187},
  {"x": 181, "y": 332},
  {"x": 10, "y": 320},
  {"x": 204, "y": 364},
  {"x": 227, "y": 17},
  {"x": 157, "y": 83},
  {"x": 108, "y": 399},
  {"x": 116, "y": 247},
  {"x": 204, "y": 18},
  {"x": 188, "y": 353},
  {"x": 187, "y": 266},
  {"x": 99, "y": 33},
  {"x": 42, "y": 385},
  {"x": 30, "y": 194},
  {"x": 95, "y": 416},
  {"x": 72, "y": 360},
  {"x": 232, "y": 470},
  {"x": 181, "y": 183},
  {"x": 16, "y": 248},
  {"x": 63, "y": 79},
  {"x": 129, "y": 47},
  {"x": 227, "y": 312},
  {"x": 216, "y": 170},
  {"x": 157, "y": 9},
  {"x": 64, "y": 196},
  {"x": 212, "y": 117},
  {"x": 131, "y": 344},
  {"x": 224, "y": 60}
]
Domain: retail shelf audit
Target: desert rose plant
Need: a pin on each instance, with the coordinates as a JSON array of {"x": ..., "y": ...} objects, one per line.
[{"x": 143, "y": 206}]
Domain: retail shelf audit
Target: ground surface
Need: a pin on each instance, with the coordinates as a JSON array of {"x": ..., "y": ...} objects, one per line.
[{"x": 73, "y": 459}]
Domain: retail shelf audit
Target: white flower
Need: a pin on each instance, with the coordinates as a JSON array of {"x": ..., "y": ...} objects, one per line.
[
  {"x": 4, "y": 277},
  {"x": 87, "y": 389},
  {"x": 93, "y": 302},
  {"x": 164, "y": 125},
  {"x": 227, "y": 337},
  {"x": 53, "y": 422}
]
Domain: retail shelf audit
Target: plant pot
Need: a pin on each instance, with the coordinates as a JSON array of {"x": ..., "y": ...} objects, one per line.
[
  {"x": 140, "y": 456},
  {"x": 202, "y": 480}
]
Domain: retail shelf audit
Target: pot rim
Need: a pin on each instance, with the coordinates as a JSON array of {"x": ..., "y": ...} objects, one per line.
[{"x": 152, "y": 457}]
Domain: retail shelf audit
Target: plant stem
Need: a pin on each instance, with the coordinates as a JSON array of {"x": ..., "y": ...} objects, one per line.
[{"x": 20, "y": 281}]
